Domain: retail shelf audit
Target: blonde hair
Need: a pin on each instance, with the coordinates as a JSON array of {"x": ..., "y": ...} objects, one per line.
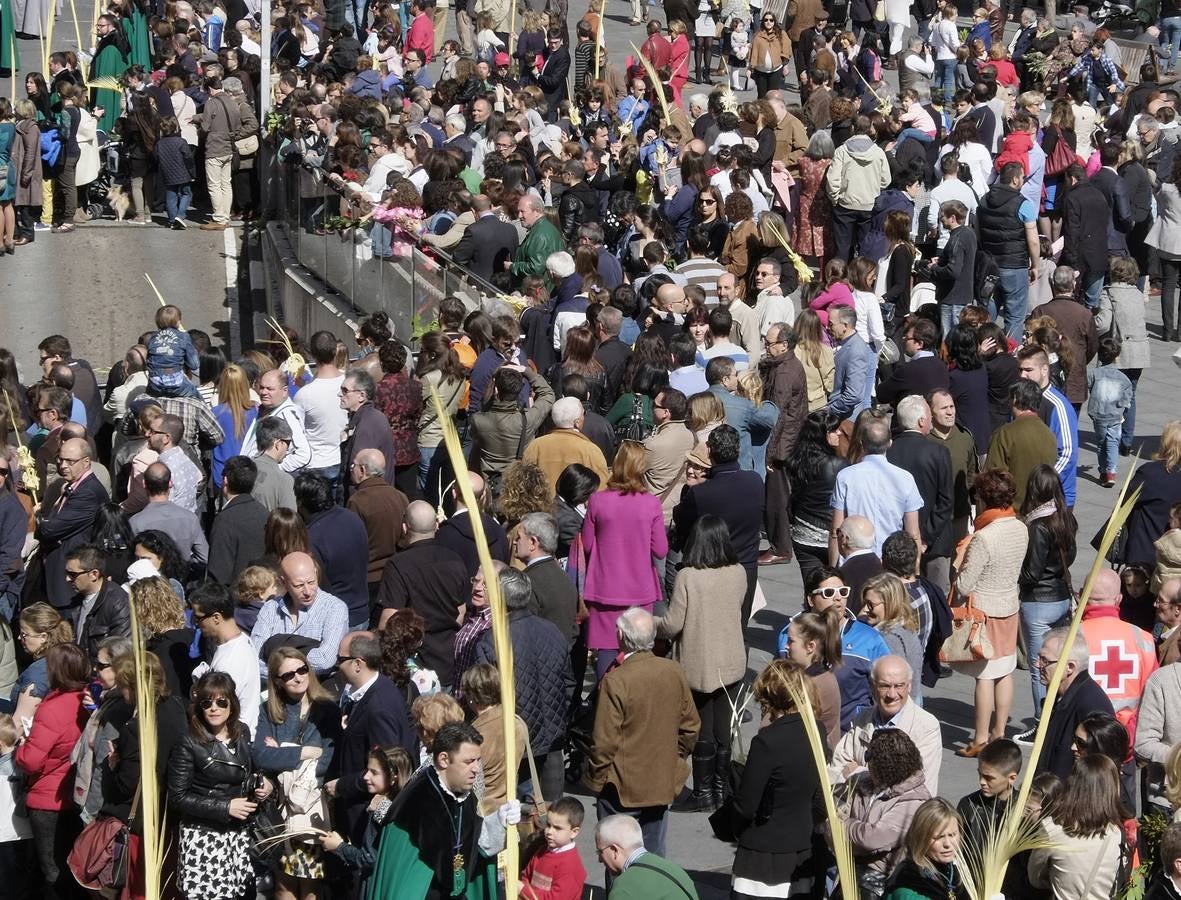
[
  {"x": 534, "y": 20},
  {"x": 156, "y": 606},
  {"x": 257, "y": 583},
  {"x": 233, "y": 389},
  {"x": 930, "y": 820},
  {"x": 432, "y": 712},
  {"x": 125, "y": 675},
  {"x": 41, "y": 618},
  {"x": 8, "y": 731},
  {"x": 895, "y": 599},
  {"x": 1169, "y": 451},
  {"x": 705, "y": 409},
  {"x": 1173, "y": 776},
  {"x": 276, "y": 704},
  {"x": 628, "y": 468},
  {"x": 750, "y": 386}
]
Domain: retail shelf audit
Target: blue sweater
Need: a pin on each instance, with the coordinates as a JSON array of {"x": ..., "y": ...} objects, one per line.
[
  {"x": 1060, "y": 416},
  {"x": 321, "y": 730}
]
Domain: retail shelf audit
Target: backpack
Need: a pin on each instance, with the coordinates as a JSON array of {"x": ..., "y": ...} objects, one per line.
[
  {"x": 633, "y": 428},
  {"x": 985, "y": 276}
]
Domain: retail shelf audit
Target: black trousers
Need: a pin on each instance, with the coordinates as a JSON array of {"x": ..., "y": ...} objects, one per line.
[{"x": 848, "y": 225}]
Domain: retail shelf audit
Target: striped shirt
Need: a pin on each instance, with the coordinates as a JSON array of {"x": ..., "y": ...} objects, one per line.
[{"x": 703, "y": 272}]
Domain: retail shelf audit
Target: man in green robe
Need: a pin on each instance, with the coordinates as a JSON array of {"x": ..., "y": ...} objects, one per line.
[
  {"x": 434, "y": 844},
  {"x": 10, "y": 59},
  {"x": 110, "y": 61},
  {"x": 139, "y": 39},
  {"x": 542, "y": 240}
]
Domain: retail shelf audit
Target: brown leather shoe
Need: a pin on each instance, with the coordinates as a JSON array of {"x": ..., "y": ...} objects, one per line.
[
  {"x": 770, "y": 558},
  {"x": 972, "y": 750},
  {"x": 213, "y": 226}
]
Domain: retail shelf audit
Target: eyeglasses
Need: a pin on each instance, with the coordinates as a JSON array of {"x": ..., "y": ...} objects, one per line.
[
  {"x": 198, "y": 619},
  {"x": 341, "y": 660},
  {"x": 831, "y": 593},
  {"x": 99, "y": 666},
  {"x": 288, "y": 677},
  {"x": 767, "y": 343},
  {"x": 708, "y": 201},
  {"x": 1042, "y": 663},
  {"x": 219, "y": 702},
  {"x": 344, "y": 391},
  {"x": 66, "y": 461},
  {"x": 71, "y": 576}
]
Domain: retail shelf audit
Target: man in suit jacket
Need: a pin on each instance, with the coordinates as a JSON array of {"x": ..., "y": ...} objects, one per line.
[
  {"x": 1085, "y": 218},
  {"x": 923, "y": 372},
  {"x": 1115, "y": 192},
  {"x": 1078, "y": 697},
  {"x": 488, "y": 242},
  {"x": 645, "y": 728},
  {"x": 237, "y": 537},
  {"x": 458, "y": 535},
  {"x": 855, "y": 543},
  {"x": 68, "y": 523},
  {"x": 382, "y": 507},
  {"x": 373, "y": 714},
  {"x": 551, "y": 77},
  {"x": 929, "y": 462},
  {"x": 554, "y": 596},
  {"x": 1076, "y": 323},
  {"x": 856, "y": 365},
  {"x": 734, "y": 496}
]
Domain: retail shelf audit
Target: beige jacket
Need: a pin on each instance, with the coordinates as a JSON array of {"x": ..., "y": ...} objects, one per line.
[
  {"x": 820, "y": 380},
  {"x": 705, "y": 618},
  {"x": 991, "y": 566},
  {"x": 1168, "y": 558},
  {"x": 664, "y": 473},
  {"x": 922, "y": 728},
  {"x": 1076, "y": 868}
]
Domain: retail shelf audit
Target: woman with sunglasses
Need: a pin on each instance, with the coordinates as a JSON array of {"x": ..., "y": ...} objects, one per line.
[
  {"x": 707, "y": 213},
  {"x": 109, "y": 713},
  {"x": 770, "y": 52},
  {"x": 861, "y": 644},
  {"x": 297, "y": 731},
  {"x": 212, "y": 786}
]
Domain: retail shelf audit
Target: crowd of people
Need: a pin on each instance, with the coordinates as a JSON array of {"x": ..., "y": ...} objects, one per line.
[{"x": 854, "y": 334}]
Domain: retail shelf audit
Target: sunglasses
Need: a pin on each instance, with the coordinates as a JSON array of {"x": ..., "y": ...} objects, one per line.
[
  {"x": 219, "y": 702},
  {"x": 831, "y": 593},
  {"x": 288, "y": 677}
]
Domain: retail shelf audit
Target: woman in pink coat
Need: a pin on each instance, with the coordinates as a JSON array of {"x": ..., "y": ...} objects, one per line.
[
  {"x": 44, "y": 757},
  {"x": 679, "y": 62},
  {"x": 623, "y": 533}
]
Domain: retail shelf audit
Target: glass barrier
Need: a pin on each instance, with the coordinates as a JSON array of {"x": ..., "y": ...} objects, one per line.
[{"x": 407, "y": 284}]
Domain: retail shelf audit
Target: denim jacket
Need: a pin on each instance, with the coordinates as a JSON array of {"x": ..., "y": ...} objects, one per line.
[
  {"x": 1110, "y": 394},
  {"x": 170, "y": 350}
]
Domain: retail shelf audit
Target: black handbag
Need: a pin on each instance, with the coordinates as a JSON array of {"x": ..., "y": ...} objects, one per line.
[{"x": 727, "y": 825}]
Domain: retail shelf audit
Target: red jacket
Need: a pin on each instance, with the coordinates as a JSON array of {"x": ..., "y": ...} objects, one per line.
[
  {"x": 657, "y": 50},
  {"x": 45, "y": 756},
  {"x": 421, "y": 35},
  {"x": 554, "y": 876},
  {"x": 1122, "y": 656}
]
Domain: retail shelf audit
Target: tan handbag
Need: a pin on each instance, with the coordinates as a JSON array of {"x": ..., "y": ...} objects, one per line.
[{"x": 968, "y": 641}]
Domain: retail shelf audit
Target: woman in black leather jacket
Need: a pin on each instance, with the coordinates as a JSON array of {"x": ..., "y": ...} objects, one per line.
[
  {"x": 1045, "y": 589},
  {"x": 211, "y": 784},
  {"x": 813, "y": 470}
]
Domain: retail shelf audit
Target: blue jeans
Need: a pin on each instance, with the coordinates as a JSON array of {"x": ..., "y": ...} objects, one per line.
[
  {"x": 949, "y": 317},
  {"x": 382, "y": 239},
  {"x": 916, "y": 133},
  {"x": 1093, "y": 289},
  {"x": 1107, "y": 437},
  {"x": 1036, "y": 619},
  {"x": 945, "y": 79},
  {"x": 1128, "y": 432},
  {"x": 1170, "y": 36},
  {"x": 1011, "y": 300},
  {"x": 357, "y": 12},
  {"x": 176, "y": 201}
]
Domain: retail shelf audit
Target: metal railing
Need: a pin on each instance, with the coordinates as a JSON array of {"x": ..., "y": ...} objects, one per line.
[{"x": 408, "y": 284}]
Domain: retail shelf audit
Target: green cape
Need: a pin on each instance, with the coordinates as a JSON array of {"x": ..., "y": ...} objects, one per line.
[
  {"x": 136, "y": 29},
  {"x": 10, "y": 57},
  {"x": 109, "y": 63}
]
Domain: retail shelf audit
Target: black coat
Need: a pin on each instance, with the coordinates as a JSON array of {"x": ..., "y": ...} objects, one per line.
[
  {"x": 368, "y": 429},
  {"x": 552, "y": 80},
  {"x": 109, "y": 617},
  {"x": 855, "y": 571},
  {"x": 236, "y": 539},
  {"x": 204, "y": 776},
  {"x": 119, "y": 782},
  {"x": 930, "y": 464},
  {"x": 67, "y": 526},
  {"x": 432, "y": 580},
  {"x": 733, "y": 495},
  {"x": 1086, "y": 215},
  {"x": 172, "y": 648},
  {"x": 456, "y": 534},
  {"x": 918, "y": 376},
  {"x": 174, "y": 158},
  {"x": 1081, "y": 699},
  {"x": 1045, "y": 570},
  {"x": 776, "y": 800},
  {"x": 1159, "y": 489},
  {"x": 341, "y": 545},
  {"x": 555, "y": 598},
  {"x": 379, "y": 719},
  {"x": 1121, "y": 220},
  {"x": 485, "y": 246},
  {"x": 613, "y": 355},
  {"x": 1002, "y": 374}
]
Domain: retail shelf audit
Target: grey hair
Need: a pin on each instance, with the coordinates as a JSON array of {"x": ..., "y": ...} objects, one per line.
[
  {"x": 637, "y": 630},
  {"x": 821, "y": 145},
  {"x": 699, "y": 100},
  {"x": 534, "y": 202},
  {"x": 1062, "y": 280},
  {"x": 910, "y": 410},
  {"x": 456, "y": 121},
  {"x": 566, "y": 412},
  {"x": 271, "y": 429},
  {"x": 622, "y": 831},
  {"x": 116, "y": 646},
  {"x": 1149, "y": 121},
  {"x": 362, "y": 381},
  {"x": 916, "y": 43},
  {"x": 847, "y": 314},
  {"x": 516, "y": 589},
  {"x": 544, "y": 527},
  {"x": 1079, "y": 654},
  {"x": 560, "y": 264},
  {"x": 858, "y": 531},
  {"x": 894, "y": 659},
  {"x": 610, "y": 319}
]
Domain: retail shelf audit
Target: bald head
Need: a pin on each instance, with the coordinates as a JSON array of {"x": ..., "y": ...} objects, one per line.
[
  {"x": 1106, "y": 590},
  {"x": 481, "y": 203},
  {"x": 858, "y": 532},
  {"x": 477, "y": 485},
  {"x": 73, "y": 459},
  {"x": 157, "y": 480},
  {"x": 669, "y": 296},
  {"x": 421, "y": 521},
  {"x": 367, "y": 464},
  {"x": 300, "y": 578}
]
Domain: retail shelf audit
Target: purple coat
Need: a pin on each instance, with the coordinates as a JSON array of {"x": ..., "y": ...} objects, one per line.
[{"x": 622, "y": 533}]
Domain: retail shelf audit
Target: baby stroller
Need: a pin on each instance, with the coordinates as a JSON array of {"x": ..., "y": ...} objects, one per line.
[{"x": 97, "y": 201}]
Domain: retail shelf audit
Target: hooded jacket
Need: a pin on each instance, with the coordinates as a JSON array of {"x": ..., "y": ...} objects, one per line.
[
  {"x": 858, "y": 174},
  {"x": 879, "y": 820}
]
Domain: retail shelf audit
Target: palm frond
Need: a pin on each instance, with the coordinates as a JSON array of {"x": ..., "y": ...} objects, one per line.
[
  {"x": 295, "y": 363},
  {"x": 24, "y": 457},
  {"x": 803, "y": 270},
  {"x": 151, "y": 810},
  {"x": 500, "y": 634},
  {"x": 657, "y": 84},
  {"x": 105, "y": 83}
]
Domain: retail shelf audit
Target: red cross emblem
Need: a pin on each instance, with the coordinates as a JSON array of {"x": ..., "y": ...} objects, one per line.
[{"x": 1113, "y": 669}]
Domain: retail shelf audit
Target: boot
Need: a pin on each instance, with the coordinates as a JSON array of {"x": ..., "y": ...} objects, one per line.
[
  {"x": 721, "y": 775},
  {"x": 702, "y": 799}
]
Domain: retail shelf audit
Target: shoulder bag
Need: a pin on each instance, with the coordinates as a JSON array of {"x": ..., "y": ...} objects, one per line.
[
  {"x": 968, "y": 641},
  {"x": 99, "y": 858},
  {"x": 1061, "y": 157}
]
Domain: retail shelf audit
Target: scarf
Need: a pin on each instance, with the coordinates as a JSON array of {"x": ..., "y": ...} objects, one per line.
[
  {"x": 1044, "y": 511},
  {"x": 983, "y": 519}
]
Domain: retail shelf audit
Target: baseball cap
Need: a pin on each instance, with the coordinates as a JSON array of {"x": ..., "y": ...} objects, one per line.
[{"x": 502, "y": 59}]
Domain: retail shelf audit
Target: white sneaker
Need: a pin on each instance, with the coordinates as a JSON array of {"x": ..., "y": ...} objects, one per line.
[{"x": 1026, "y": 737}]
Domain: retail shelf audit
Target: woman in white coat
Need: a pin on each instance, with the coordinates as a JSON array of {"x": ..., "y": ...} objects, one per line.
[
  {"x": 185, "y": 109},
  {"x": 1165, "y": 235},
  {"x": 897, "y": 18}
]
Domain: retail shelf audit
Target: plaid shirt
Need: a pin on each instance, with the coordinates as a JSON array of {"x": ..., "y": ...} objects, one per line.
[
  {"x": 921, "y": 604},
  {"x": 197, "y": 417}
]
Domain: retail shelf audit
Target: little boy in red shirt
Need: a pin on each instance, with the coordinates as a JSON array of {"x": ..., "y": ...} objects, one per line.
[{"x": 557, "y": 873}]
